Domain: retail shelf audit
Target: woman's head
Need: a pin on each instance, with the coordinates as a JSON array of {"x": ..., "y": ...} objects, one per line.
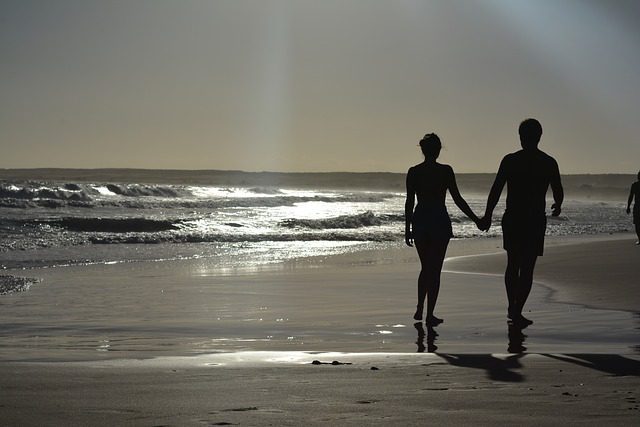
[{"x": 431, "y": 146}]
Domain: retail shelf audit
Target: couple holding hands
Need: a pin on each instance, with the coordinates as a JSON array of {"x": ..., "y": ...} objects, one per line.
[{"x": 528, "y": 173}]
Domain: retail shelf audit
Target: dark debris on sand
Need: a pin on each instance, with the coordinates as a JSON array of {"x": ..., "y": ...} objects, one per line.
[{"x": 334, "y": 363}]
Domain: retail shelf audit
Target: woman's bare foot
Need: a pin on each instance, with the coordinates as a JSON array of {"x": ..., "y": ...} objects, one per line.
[
  {"x": 521, "y": 321},
  {"x": 418, "y": 315}
]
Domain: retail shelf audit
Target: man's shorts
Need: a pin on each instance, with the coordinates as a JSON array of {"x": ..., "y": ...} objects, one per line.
[{"x": 524, "y": 234}]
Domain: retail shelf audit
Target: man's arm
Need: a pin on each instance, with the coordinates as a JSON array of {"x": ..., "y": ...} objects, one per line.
[
  {"x": 494, "y": 196},
  {"x": 408, "y": 209},
  {"x": 631, "y": 194},
  {"x": 558, "y": 191}
]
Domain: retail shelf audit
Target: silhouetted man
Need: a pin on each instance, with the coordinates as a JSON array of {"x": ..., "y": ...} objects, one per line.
[
  {"x": 635, "y": 192},
  {"x": 528, "y": 174}
]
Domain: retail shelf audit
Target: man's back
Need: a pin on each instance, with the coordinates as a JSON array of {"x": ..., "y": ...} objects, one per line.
[
  {"x": 528, "y": 174},
  {"x": 635, "y": 189}
]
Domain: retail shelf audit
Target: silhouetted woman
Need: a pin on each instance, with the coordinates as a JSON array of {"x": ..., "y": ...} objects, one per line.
[
  {"x": 635, "y": 193},
  {"x": 429, "y": 226}
]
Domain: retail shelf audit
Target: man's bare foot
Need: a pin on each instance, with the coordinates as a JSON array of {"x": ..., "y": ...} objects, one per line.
[{"x": 433, "y": 321}]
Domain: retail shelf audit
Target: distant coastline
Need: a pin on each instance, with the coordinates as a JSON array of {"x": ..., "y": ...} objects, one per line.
[{"x": 590, "y": 186}]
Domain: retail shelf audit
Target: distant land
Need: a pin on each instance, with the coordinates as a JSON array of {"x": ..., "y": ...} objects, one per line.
[{"x": 599, "y": 186}]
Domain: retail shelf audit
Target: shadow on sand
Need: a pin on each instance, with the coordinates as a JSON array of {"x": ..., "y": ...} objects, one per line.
[
  {"x": 613, "y": 364},
  {"x": 498, "y": 369},
  {"x": 505, "y": 368}
]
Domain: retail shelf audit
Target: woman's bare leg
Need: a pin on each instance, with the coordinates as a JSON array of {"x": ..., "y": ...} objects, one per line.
[{"x": 431, "y": 253}]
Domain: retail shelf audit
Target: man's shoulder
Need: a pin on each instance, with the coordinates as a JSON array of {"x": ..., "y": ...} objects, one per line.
[
  {"x": 527, "y": 156},
  {"x": 511, "y": 157},
  {"x": 444, "y": 167},
  {"x": 547, "y": 157}
]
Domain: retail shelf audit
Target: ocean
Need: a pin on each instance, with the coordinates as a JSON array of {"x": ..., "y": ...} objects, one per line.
[{"x": 56, "y": 217}]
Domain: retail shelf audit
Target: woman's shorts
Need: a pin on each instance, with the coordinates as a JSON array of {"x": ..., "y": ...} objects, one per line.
[{"x": 431, "y": 223}]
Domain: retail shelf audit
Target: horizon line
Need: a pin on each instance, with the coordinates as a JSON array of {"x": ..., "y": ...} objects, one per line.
[{"x": 269, "y": 171}]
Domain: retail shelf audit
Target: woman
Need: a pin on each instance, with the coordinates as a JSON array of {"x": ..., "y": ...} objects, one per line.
[{"x": 429, "y": 226}]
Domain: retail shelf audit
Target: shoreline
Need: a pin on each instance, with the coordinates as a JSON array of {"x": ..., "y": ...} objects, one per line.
[{"x": 358, "y": 302}]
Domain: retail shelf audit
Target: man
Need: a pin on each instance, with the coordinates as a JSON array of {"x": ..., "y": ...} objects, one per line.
[
  {"x": 635, "y": 192},
  {"x": 528, "y": 174}
]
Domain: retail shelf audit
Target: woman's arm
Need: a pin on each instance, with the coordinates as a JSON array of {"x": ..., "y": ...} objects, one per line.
[
  {"x": 408, "y": 209},
  {"x": 458, "y": 199},
  {"x": 631, "y": 194}
]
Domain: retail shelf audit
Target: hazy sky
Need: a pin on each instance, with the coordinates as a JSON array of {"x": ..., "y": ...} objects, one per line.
[{"x": 330, "y": 85}]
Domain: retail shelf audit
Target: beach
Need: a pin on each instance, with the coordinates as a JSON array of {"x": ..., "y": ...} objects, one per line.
[
  {"x": 236, "y": 346},
  {"x": 207, "y": 210}
]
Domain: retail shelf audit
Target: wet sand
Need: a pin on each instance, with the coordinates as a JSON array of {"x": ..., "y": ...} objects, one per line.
[
  {"x": 406, "y": 389},
  {"x": 595, "y": 273},
  {"x": 92, "y": 365}
]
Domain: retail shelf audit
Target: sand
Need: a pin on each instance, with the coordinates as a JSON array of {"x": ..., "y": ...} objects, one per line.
[
  {"x": 595, "y": 273},
  {"x": 340, "y": 307},
  {"x": 408, "y": 389}
]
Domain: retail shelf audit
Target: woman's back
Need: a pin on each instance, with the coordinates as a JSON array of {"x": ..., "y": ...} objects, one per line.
[{"x": 430, "y": 181}]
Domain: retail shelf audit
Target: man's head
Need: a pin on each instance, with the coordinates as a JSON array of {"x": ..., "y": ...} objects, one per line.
[{"x": 530, "y": 131}]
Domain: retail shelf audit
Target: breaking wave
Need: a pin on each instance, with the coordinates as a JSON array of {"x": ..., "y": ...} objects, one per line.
[
  {"x": 139, "y": 190},
  {"x": 34, "y": 191},
  {"x": 30, "y": 194},
  {"x": 238, "y": 238},
  {"x": 365, "y": 219},
  {"x": 265, "y": 190}
]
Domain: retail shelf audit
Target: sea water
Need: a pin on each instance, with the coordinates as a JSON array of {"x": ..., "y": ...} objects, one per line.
[{"x": 62, "y": 222}]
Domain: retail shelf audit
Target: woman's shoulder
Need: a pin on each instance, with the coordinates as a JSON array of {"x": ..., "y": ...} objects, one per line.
[
  {"x": 445, "y": 168},
  {"x": 439, "y": 167},
  {"x": 416, "y": 168}
]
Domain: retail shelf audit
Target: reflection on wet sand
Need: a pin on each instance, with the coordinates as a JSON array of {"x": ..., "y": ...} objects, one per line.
[
  {"x": 431, "y": 337},
  {"x": 516, "y": 338}
]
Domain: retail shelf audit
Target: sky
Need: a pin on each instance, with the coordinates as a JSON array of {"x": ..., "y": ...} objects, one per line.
[{"x": 307, "y": 85}]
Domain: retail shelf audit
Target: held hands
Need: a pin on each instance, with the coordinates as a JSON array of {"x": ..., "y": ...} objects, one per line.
[
  {"x": 408, "y": 237},
  {"x": 555, "y": 209},
  {"x": 484, "y": 223}
]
